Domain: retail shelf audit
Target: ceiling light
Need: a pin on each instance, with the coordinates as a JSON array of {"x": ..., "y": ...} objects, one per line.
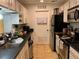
[{"x": 41, "y": 0}]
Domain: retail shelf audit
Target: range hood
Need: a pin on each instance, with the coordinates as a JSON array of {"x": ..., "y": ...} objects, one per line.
[{"x": 4, "y": 10}]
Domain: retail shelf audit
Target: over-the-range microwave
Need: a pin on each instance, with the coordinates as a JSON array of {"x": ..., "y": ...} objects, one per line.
[{"x": 73, "y": 14}]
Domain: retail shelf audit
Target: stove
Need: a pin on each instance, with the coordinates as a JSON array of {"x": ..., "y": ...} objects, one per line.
[{"x": 65, "y": 49}]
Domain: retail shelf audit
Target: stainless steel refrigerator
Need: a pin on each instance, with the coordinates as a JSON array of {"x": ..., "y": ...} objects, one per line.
[{"x": 56, "y": 26}]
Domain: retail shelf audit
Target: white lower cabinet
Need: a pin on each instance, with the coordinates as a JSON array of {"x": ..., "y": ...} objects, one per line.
[
  {"x": 24, "y": 53},
  {"x": 73, "y": 54},
  {"x": 57, "y": 44}
]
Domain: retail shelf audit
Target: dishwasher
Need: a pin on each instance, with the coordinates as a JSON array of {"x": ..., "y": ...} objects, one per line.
[{"x": 30, "y": 44}]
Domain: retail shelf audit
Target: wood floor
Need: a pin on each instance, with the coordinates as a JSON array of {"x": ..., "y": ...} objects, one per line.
[{"x": 43, "y": 52}]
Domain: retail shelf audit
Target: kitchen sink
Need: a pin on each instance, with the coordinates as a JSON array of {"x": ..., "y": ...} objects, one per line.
[
  {"x": 13, "y": 43},
  {"x": 9, "y": 45},
  {"x": 16, "y": 41}
]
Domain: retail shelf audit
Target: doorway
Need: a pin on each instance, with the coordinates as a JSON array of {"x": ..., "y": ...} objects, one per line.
[{"x": 42, "y": 27}]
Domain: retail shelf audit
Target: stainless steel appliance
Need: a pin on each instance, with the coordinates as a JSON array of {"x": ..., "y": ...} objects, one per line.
[
  {"x": 63, "y": 50},
  {"x": 56, "y": 26},
  {"x": 73, "y": 14}
]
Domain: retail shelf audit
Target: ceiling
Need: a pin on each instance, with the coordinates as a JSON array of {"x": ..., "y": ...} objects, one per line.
[{"x": 56, "y": 2}]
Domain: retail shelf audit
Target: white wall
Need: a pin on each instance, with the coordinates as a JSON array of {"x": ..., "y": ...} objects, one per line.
[
  {"x": 10, "y": 19},
  {"x": 31, "y": 11}
]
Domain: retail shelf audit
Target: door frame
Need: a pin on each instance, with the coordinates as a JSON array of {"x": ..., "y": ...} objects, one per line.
[{"x": 48, "y": 22}]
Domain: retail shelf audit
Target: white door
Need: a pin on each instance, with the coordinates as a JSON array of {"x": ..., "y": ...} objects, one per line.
[{"x": 42, "y": 28}]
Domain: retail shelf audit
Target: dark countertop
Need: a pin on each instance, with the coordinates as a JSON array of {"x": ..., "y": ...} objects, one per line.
[
  {"x": 73, "y": 43},
  {"x": 70, "y": 42},
  {"x": 11, "y": 53}
]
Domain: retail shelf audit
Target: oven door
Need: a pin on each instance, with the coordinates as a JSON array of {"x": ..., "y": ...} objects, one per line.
[{"x": 63, "y": 50}]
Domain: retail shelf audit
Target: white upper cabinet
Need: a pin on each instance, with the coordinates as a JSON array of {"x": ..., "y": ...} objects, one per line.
[
  {"x": 66, "y": 7},
  {"x": 73, "y": 3},
  {"x": 8, "y": 3},
  {"x": 18, "y": 7},
  {"x": 4, "y": 3},
  {"x": 77, "y": 2},
  {"x": 12, "y": 4},
  {"x": 61, "y": 9}
]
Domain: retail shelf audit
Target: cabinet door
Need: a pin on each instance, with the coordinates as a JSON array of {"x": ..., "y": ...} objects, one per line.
[
  {"x": 57, "y": 43},
  {"x": 17, "y": 6},
  {"x": 13, "y": 4},
  {"x": 61, "y": 9},
  {"x": 4, "y": 3},
  {"x": 77, "y": 2},
  {"x": 24, "y": 54},
  {"x": 73, "y": 3},
  {"x": 66, "y": 7},
  {"x": 26, "y": 51},
  {"x": 73, "y": 56}
]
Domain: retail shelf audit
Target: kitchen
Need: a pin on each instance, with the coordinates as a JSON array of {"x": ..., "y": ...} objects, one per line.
[{"x": 17, "y": 15}]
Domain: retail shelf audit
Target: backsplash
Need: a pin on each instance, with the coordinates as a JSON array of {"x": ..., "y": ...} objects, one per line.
[{"x": 75, "y": 25}]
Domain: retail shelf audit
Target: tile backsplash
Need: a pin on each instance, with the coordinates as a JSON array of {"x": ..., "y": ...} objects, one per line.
[{"x": 75, "y": 25}]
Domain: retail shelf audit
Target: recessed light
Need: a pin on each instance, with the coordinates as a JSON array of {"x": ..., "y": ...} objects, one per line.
[{"x": 41, "y": 0}]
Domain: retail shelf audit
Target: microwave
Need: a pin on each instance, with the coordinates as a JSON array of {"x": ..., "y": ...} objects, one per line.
[{"x": 73, "y": 14}]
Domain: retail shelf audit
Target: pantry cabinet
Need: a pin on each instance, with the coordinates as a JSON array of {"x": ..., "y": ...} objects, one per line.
[{"x": 24, "y": 53}]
